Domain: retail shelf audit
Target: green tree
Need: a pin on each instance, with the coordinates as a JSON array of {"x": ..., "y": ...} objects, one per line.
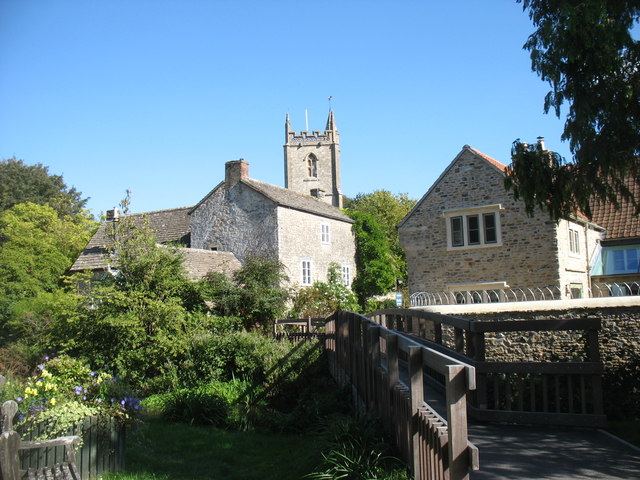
[
  {"x": 377, "y": 270},
  {"x": 37, "y": 246},
  {"x": 388, "y": 210},
  {"x": 586, "y": 52},
  {"x": 20, "y": 183},
  {"x": 323, "y": 298},
  {"x": 256, "y": 294}
]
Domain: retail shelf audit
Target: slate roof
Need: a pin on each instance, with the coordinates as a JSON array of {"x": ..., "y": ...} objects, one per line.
[
  {"x": 287, "y": 198},
  {"x": 168, "y": 225},
  {"x": 297, "y": 201},
  {"x": 620, "y": 223},
  {"x": 199, "y": 262}
]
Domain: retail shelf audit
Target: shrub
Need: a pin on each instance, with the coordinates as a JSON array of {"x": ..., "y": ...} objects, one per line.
[{"x": 63, "y": 391}]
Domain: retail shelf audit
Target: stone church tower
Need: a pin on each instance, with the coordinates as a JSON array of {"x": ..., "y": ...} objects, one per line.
[{"x": 312, "y": 162}]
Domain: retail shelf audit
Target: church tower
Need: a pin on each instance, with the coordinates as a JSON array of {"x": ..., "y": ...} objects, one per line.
[{"x": 312, "y": 162}]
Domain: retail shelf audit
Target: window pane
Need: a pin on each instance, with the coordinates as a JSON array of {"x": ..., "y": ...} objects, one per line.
[
  {"x": 457, "y": 240},
  {"x": 490, "y": 233},
  {"x": 632, "y": 261},
  {"x": 473, "y": 227}
]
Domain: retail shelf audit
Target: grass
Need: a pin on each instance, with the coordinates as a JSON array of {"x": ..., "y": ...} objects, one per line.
[
  {"x": 161, "y": 450},
  {"x": 628, "y": 430}
]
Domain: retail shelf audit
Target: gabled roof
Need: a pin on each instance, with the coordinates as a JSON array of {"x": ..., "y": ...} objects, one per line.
[
  {"x": 168, "y": 226},
  {"x": 287, "y": 198},
  {"x": 297, "y": 201},
  {"x": 500, "y": 168},
  {"x": 619, "y": 223}
]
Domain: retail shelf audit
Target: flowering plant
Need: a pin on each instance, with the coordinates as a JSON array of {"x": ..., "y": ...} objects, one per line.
[{"x": 63, "y": 391}]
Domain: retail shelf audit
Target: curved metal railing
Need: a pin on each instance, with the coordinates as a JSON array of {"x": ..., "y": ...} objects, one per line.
[{"x": 522, "y": 294}]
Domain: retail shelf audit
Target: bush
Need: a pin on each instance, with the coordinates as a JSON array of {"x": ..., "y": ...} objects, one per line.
[
  {"x": 356, "y": 450},
  {"x": 64, "y": 390}
]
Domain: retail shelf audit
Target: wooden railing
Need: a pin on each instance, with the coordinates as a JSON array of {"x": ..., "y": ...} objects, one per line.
[
  {"x": 558, "y": 392},
  {"x": 386, "y": 371}
]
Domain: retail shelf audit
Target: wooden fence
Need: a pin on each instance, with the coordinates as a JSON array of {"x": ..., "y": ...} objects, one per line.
[
  {"x": 102, "y": 448},
  {"x": 560, "y": 392},
  {"x": 371, "y": 358}
]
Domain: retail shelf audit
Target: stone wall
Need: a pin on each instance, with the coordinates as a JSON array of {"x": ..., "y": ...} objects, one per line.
[
  {"x": 300, "y": 238},
  {"x": 237, "y": 220},
  {"x": 619, "y": 341},
  {"x": 533, "y": 250}
]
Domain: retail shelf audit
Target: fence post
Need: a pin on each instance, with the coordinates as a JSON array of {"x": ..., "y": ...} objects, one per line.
[
  {"x": 417, "y": 399},
  {"x": 456, "y": 388},
  {"x": 373, "y": 354}
]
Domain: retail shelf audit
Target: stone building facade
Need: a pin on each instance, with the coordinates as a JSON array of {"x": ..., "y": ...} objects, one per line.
[
  {"x": 301, "y": 225},
  {"x": 468, "y": 236},
  {"x": 312, "y": 162},
  {"x": 248, "y": 217}
]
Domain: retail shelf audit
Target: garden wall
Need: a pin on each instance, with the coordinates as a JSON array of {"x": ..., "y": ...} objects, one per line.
[{"x": 619, "y": 340}]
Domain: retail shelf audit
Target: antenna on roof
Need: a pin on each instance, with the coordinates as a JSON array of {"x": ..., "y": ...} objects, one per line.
[
  {"x": 330, "y": 97},
  {"x": 306, "y": 120}
]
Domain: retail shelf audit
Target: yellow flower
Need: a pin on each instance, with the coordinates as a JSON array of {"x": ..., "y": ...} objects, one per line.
[
  {"x": 46, "y": 374},
  {"x": 48, "y": 386},
  {"x": 52, "y": 401}
]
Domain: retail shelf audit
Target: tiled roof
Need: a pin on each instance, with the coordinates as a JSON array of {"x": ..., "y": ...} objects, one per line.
[
  {"x": 619, "y": 223},
  {"x": 298, "y": 201},
  {"x": 492, "y": 161},
  {"x": 199, "y": 262},
  {"x": 168, "y": 226}
]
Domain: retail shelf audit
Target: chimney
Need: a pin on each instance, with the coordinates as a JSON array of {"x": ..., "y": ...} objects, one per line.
[
  {"x": 541, "y": 143},
  {"x": 234, "y": 171},
  {"x": 113, "y": 214}
]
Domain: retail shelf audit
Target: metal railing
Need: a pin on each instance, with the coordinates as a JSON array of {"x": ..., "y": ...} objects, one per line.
[{"x": 522, "y": 294}]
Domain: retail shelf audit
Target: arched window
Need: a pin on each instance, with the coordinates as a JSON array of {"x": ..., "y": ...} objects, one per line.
[{"x": 312, "y": 165}]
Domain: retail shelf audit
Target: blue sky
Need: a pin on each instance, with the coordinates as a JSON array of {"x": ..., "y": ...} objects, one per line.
[{"x": 155, "y": 96}]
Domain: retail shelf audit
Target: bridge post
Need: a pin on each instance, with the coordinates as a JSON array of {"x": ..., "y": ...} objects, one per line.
[
  {"x": 373, "y": 352},
  {"x": 456, "y": 389},
  {"x": 417, "y": 399}
]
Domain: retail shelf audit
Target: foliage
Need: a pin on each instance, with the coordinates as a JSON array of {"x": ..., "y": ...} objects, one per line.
[
  {"x": 256, "y": 294},
  {"x": 388, "y": 209},
  {"x": 356, "y": 450},
  {"x": 36, "y": 247},
  {"x": 323, "y": 298},
  {"x": 376, "y": 271},
  {"x": 586, "y": 51},
  {"x": 20, "y": 183},
  {"x": 64, "y": 390}
]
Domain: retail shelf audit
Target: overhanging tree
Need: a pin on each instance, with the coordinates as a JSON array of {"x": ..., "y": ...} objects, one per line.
[
  {"x": 586, "y": 52},
  {"x": 21, "y": 183}
]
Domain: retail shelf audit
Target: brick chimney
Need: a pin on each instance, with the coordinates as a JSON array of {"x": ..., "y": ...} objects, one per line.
[{"x": 234, "y": 171}]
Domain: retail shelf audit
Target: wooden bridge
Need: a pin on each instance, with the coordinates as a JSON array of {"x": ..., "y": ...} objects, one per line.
[{"x": 423, "y": 373}]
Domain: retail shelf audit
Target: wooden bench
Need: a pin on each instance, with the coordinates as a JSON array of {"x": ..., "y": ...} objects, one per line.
[{"x": 11, "y": 444}]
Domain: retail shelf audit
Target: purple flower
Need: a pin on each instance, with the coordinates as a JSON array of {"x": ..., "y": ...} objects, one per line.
[
  {"x": 79, "y": 390},
  {"x": 41, "y": 367}
]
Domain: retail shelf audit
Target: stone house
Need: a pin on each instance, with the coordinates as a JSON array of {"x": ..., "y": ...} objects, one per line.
[
  {"x": 301, "y": 226},
  {"x": 170, "y": 226},
  {"x": 467, "y": 237},
  {"x": 617, "y": 264}
]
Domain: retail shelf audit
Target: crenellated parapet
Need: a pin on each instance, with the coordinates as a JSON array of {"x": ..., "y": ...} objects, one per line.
[{"x": 313, "y": 137}]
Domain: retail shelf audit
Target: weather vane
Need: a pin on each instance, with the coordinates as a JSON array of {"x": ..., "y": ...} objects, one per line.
[{"x": 330, "y": 97}]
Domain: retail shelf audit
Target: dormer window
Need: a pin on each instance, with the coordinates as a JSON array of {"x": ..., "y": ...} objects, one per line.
[{"x": 312, "y": 166}]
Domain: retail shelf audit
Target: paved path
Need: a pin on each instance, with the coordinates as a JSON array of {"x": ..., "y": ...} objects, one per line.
[
  {"x": 514, "y": 452},
  {"x": 524, "y": 452}
]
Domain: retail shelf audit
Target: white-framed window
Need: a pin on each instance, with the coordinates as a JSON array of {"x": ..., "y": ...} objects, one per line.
[
  {"x": 306, "y": 271},
  {"x": 324, "y": 233},
  {"x": 474, "y": 227},
  {"x": 574, "y": 241},
  {"x": 482, "y": 292},
  {"x": 346, "y": 274}
]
